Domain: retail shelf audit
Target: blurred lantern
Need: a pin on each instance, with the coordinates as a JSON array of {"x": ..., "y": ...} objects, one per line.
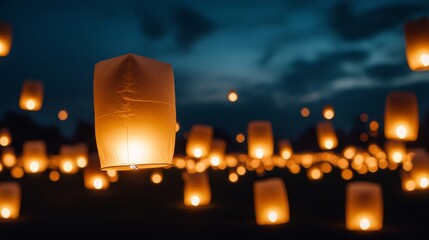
[
  {"x": 217, "y": 152},
  {"x": 364, "y": 206},
  {"x": 199, "y": 141},
  {"x": 328, "y": 112},
  {"x": 326, "y": 136},
  {"x": 93, "y": 177},
  {"x": 67, "y": 163},
  {"x": 177, "y": 127},
  {"x": 420, "y": 172},
  {"x": 10, "y": 200},
  {"x": 395, "y": 150},
  {"x": 156, "y": 176},
  {"x": 285, "y": 149},
  {"x": 31, "y": 98},
  {"x": 305, "y": 112},
  {"x": 54, "y": 176},
  {"x": 5, "y": 39},
  {"x": 232, "y": 96},
  {"x": 401, "y": 116},
  {"x": 135, "y": 112},
  {"x": 271, "y": 202},
  {"x": 17, "y": 172},
  {"x": 417, "y": 44},
  {"x": 113, "y": 175},
  {"x": 63, "y": 115},
  {"x": 34, "y": 156},
  {"x": 5, "y": 138},
  {"x": 240, "y": 138},
  {"x": 8, "y": 157},
  {"x": 197, "y": 189},
  {"x": 260, "y": 139},
  {"x": 81, "y": 154},
  {"x": 314, "y": 173}
]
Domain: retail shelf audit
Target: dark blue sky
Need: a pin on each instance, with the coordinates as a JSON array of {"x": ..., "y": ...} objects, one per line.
[{"x": 278, "y": 55}]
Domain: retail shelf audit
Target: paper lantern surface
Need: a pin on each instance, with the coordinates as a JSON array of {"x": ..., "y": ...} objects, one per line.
[
  {"x": 417, "y": 44},
  {"x": 401, "y": 116},
  {"x": 260, "y": 139},
  {"x": 135, "y": 112},
  {"x": 271, "y": 202},
  {"x": 199, "y": 141},
  {"x": 5, "y": 39},
  {"x": 10, "y": 200},
  {"x": 326, "y": 136},
  {"x": 196, "y": 189},
  {"x": 31, "y": 98}
]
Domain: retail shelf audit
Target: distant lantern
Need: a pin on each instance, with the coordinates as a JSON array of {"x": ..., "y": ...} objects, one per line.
[
  {"x": 113, "y": 175},
  {"x": 31, "y": 98},
  {"x": 396, "y": 151},
  {"x": 156, "y": 176},
  {"x": 217, "y": 152},
  {"x": 364, "y": 206},
  {"x": 5, "y": 39},
  {"x": 401, "y": 116},
  {"x": 34, "y": 156},
  {"x": 285, "y": 149},
  {"x": 328, "y": 112},
  {"x": 260, "y": 139},
  {"x": 196, "y": 189},
  {"x": 135, "y": 112},
  {"x": 93, "y": 177},
  {"x": 81, "y": 154},
  {"x": 5, "y": 138},
  {"x": 199, "y": 141},
  {"x": 417, "y": 44},
  {"x": 326, "y": 136},
  {"x": 305, "y": 112},
  {"x": 420, "y": 171},
  {"x": 67, "y": 162},
  {"x": 271, "y": 202},
  {"x": 232, "y": 96},
  {"x": 8, "y": 157},
  {"x": 10, "y": 200},
  {"x": 63, "y": 115}
]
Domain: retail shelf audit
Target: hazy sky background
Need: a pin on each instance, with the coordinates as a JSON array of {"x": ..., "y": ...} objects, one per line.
[{"x": 279, "y": 55}]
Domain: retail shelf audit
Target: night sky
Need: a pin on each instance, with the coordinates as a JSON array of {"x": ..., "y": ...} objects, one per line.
[{"x": 278, "y": 55}]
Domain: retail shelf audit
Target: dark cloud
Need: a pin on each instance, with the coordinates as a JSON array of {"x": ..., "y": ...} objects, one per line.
[
  {"x": 191, "y": 26},
  {"x": 356, "y": 26},
  {"x": 153, "y": 28},
  {"x": 388, "y": 71}
]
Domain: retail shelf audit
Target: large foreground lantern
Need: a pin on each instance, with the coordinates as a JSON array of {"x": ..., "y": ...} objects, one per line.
[
  {"x": 199, "y": 141},
  {"x": 135, "y": 112},
  {"x": 5, "y": 39},
  {"x": 326, "y": 136},
  {"x": 364, "y": 206},
  {"x": 401, "y": 116},
  {"x": 260, "y": 139},
  {"x": 417, "y": 44},
  {"x": 93, "y": 177},
  {"x": 10, "y": 200},
  {"x": 31, "y": 98},
  {"x": 271, "y": 202},
  {"x": 34, "y": 156},
  {"x": 197, "y": 189}
]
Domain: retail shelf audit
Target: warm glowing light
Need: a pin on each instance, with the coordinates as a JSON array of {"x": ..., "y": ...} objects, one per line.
[
  {"x": 177, "y": 127},
  {"x": 9, "y": 160},
  {"x": 156, "y": 178},
  {"x": 97, "y": 183},
  {"x": 67, "y": 166},
  {"x": 215, "y": 161},
  {"x": 272, "y": 216},
  {"x": 363, "y": 137},
  {"x": 364, "y": 117},
  {"x": 17, "y": 172},
  {"x": 397, "y": 157},
  {"x": 30, "y": 104},
  {"x": 197, "y": 152},
  {"x": 63, "y": 115},
  {"x": 259, "y": 153},
  {"x": 349, "y": 152},
  {"x": 112, "y": 173},
  {"x": 54, "y": 176},
  {"x": 200, "y": 166},
  {"x": 195, "y": 200},
  {"x": 232, "y": 96},
  {"x": 240, "y": 138},
  {"x": 407, "y": 166},
  {"x": 364, "y": 224},
  {"x": 4, "y": 141},
  {"x": 326, "y": 167},
  {"x": 5, "y": 213},
  {"x": 424, "y": 58},
  {"x": 424, "y": 182},
  {"x": 305, "y": 112},
  {"x": 233, "y": 177},
  {"x": 34, "y": 166},
  {"x": 401, "y": 132},
  {"x": 343, "y": 163},
  {"x": 180, "y": 163},
  {"x": 315, "y": 174},
  {"x": 329, "y": 144},
  {"x": 241, "y": 170},
  {"x": 286, "y": 154},
  {"x": 81, "y": 162},
  {"x": 347, "y": 174},
  {"x": 373, "y": 125},
  {"x": 328, "y": 112},
  {"x": 410, "y": 185}
]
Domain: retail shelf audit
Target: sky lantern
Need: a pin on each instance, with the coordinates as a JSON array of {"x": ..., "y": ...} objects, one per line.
[
  {"x": 5, "y": 138},
  {"x": 260, "y": 140},
  {"x": 8, "y": 157},
  {"x": 395, "y": 150},
  {"x": 34, "y": 156},
  {"x": 417, "y": 44},
  {"x": 232, "y": 96},
  {"x": 420, "y": 171},
  {"x": 67, "y": 163},
  {"x": 5, "y": 39},
  {"x": 217, "y": 152},
  {"x": 328, "y": 112},
  {"x": 135, "y": 112},
  {"x": 364, "y": 206},
  {"x": 285, "y": 149},
  {"x": 199, "y": 141},
  {"x": 401, "y": 116},
  {"x": 271, "y": 202},
  {"x": 31, "y": 98},
  {"x": 156, "y": 176},
  {"x": 10, "y": 200},
  {"x": 196, "y": 189},
  {"x": 81, "y": 154},
  {"x": 326, "y": 136},
  {"x": 94, "y": 178}
]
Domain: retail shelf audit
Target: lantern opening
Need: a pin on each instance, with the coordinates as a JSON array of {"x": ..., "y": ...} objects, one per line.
[
  {"x": 364, "y": 224},
  {"x": 424, "y": 58},
  {"x": 5, "y": 213},
  {"x": 195, "y": 200}
]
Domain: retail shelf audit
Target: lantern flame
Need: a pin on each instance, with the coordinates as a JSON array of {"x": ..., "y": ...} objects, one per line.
[
  {"x": 259, "y": 153},
  {"x": 197, "y": 152},
  {"x": 272, "y": 216},
  {"x": 81, "y": 162},
  {"x": 401, "y": 132},
  {"x": 329, "y": 144},
  {"x": 34, "y": 166},
  {"x": 67, "y": 166},
  {"x": 410, "y": 185},
  {"x": 5, "y": 213},
  {"x": 364, "y": 224},
  {"x": 215, "y": 161},
  {"x": 286, "y": 155},
  {"x": 98, "y": 183},
  {"x": 30, "y": 104},
  {"x": 195, "y": 200},
  {"x": 424, "y": 58},
  {"x": 4, "y": 141},
  {"x": 397, "y": 157},
  {"x": 424, "y": 182}
]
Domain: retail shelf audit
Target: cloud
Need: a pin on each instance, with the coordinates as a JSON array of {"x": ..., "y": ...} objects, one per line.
[
  {"x": 388, "y": 71},
  {"x": 153, "y": 28}
]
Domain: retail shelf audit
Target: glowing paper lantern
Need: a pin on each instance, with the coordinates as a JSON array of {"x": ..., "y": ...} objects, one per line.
[
  {"x": 156, "y": 176},
  {"x": 94, "y": 178},
  {"x": 420, "y": 171},
  {"x": 326, "y": 136},
  {"x": 260, "y": 139},
  {"x": 197, "y": 189},
  {"x": 5, "y": 138},
  {"x": 34, "y": 156},
  {"x": 31, "y": 98},
  {"x": 271, "y": 202},
  {"x": 199, "y": 141},
  {"x": 285, "y": 149},
  {"x": 67, "y": 162},
  {"x": 135, "y": 112},
  {"x": 328, "y": 112},
  {"x": 401, "y": 116},
  {"x": 81, "y": 154},
  {"x": 217, "y": 152},
  {"x": 364, "y": 206},
  {"x": 5, "y": 39},
  {"x": 417, "y": 44},
  {"x": 10, "y": 200},
  {"x": 232, "y": 96},
  {"x": 395, "y": 150},
  {"x": 8, "y": 157}
]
